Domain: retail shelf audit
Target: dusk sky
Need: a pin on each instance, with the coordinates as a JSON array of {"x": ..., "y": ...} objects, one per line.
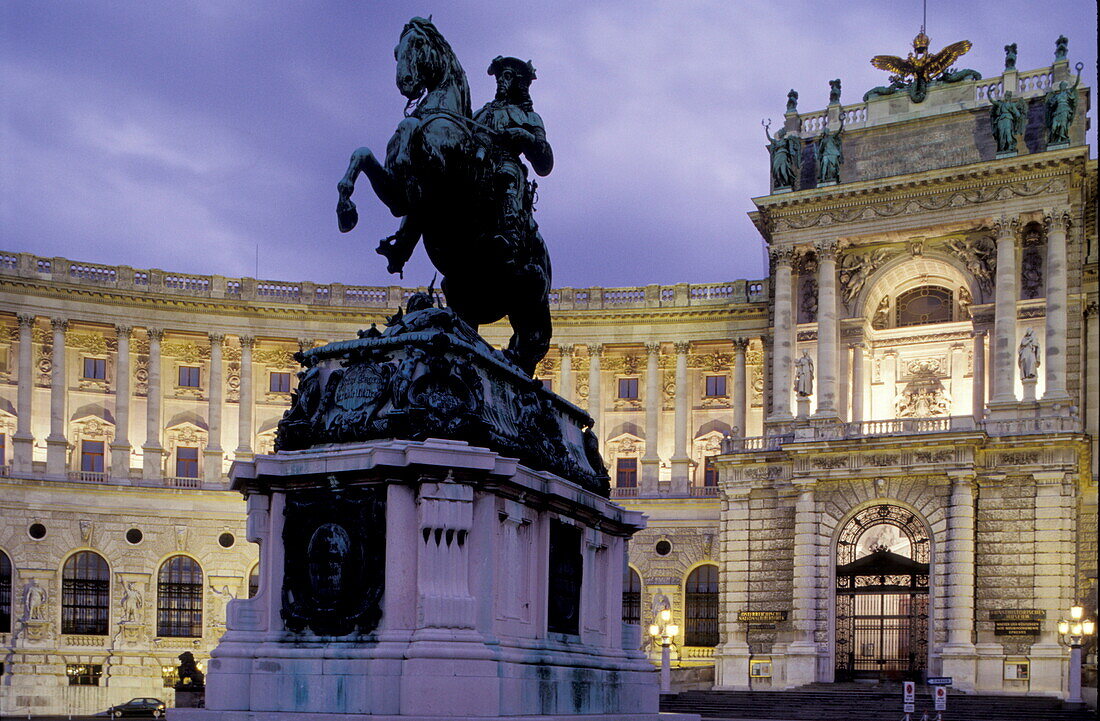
[{"x": 183, "y": 135}]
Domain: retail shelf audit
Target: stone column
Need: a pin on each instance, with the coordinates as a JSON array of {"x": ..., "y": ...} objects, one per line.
[
  {"x": 57, "y": 446},
  {"x": 565, "y": 377},
  {"x": 1004, "y": 319},
  {"x": 732, "y": 655},
  {"x": 23, "y": 440},
  {"x": 120, "y": 447},
  {"x": 681, "y": 461},
  {"x": 212, "y": 454},
  {"x": 1055, "y": 559},
  {"x": 152, "y": 451},
  {"x": 1058, "y": 223},
  {"x": 740, "y": 388},
  {"x": 978, "y": 378},
  {"x": 959, "y": 654},
  {"x": 827, "y": 338},
  {"x": 858, "y": 382},
  {"x": 244, "y": 407},
  {"x": 783, "y": 345},
  {"x": 1090, "y": 392},
  {"x": 651, "y": 460},
  {"x": 802, "y": 652}
]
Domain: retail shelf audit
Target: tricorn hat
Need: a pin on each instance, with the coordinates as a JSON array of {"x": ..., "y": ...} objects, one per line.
[{"x": 523, "y": 69}]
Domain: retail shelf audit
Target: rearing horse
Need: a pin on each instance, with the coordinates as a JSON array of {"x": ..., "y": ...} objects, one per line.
[{"x": 436, "y": 177}]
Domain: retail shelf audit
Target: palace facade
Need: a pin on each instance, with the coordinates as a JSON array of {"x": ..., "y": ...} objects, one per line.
[{"x": 851, "y": 468}]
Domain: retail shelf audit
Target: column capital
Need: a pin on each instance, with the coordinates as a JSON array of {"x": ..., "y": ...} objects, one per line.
[
  {"x": 305, "y": 344},
  {"x": 960, "y": 477},
  {"x": 247, "y": 341},
  {"x": 826, "y": 248},
  {"x": 1092, "y": 309},
  {"x": 124, "y": 331},
  {"x": 682, "y": 347},
  {"x": 25, "y": 319},
  {"x": 565, "y": 349},
  {"x": 155, "y": 334},
  {"x": 59, "y": 324},
  {"x": 975, "y": 334},
  {"x": 653, "y": 348},
  {"x": 781, "y": 256},
  {"x": 1006, "y": 226},
  {"x": 741, "y": 344},
  {"x": 858, "y": 345},
  {"x": 216, "y": 339},
  {"x": 1057, "y": 220},
  {"x": 595, "y": 350}
]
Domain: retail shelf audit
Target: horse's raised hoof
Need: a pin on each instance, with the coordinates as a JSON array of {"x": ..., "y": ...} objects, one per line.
[{"x": 346, "y": 215}]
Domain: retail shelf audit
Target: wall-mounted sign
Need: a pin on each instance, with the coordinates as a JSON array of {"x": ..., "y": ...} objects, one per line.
[
  {"x": 761, "y": 616},
  {"x": 760, "y": 668},
  {"x": 1017, "y": 622},
  {"x": 1017, "y": 669}
]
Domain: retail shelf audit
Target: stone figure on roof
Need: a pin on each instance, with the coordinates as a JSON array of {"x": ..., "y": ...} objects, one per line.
[
  {"x": 1008, "y": 117},
  {"x": 804, "y": 376},
  {"x": 830, "y": 154},
  {"x": 1010, "y": 57},
  {"x": 834, "y": 92},
  {"x": 920, "y": 68},
  {"x": 1028, "y": 355},
  {"x": 1061, "y": 105},
  {"x": 792, "y": 101},
  {"x": 1061, "y": 48},
  {"x": 786, "y": 152}
]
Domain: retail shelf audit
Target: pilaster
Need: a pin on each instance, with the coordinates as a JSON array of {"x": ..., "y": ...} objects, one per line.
[
  {"x": 245, "y": 405},
  {"x": 152, "y": 451},
  {"x": 1004, "y": 319},
  {"x": 959, "y": 655},
  {"x": 23, "y": 439},
  {"x": 651, "y": 460},
  {"x": 783, "y": 343},
  {"x": 57, "y": 446},
  {"x": 212, "y": 454},
  {"x": 120, "y": 447},
  {"x": 595, "y": 387},
  {"x": 740, "y": 388},
  {"x": 681, "y": 461},
  {"x": 565, "y": 375},
  {"x": 1057, "y": 224},
  {"x": 827, "y": 338}
]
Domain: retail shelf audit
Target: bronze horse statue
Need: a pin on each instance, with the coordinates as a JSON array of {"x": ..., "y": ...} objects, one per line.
[{"x": 456, "y": 181}]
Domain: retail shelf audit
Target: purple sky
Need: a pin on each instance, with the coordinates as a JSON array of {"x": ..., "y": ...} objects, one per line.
[{"x": 181, "y": 134}]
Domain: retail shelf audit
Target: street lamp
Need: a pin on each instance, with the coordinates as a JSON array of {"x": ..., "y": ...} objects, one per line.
[
  {"x": 1072, "y": 633},
  {"x": 663, "y": 632}
]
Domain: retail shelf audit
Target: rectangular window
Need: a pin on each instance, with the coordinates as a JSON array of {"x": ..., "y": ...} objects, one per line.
[
  {"x": 95, "y": 369},
  {"x": 189, "y": 377},
  {"x": 83, "y": 674},
  {"x": 91, "y": 456},
  {"x": 187, "y": 462},
  {"x": 716, "y": 386},
  {"x": 710, "y": 472},
  {"x": 628, "y": 388},
  {"x": 626, "y": 473},
  {"x": 279, "y": 382}
]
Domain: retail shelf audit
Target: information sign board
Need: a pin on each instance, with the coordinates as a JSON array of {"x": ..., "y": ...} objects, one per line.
[
  {"x": 761, "y": 616},
  {"x": 940, "y": 697},
  {"x": 909, "y": 688},
  {"x": 939, "y": 680}
]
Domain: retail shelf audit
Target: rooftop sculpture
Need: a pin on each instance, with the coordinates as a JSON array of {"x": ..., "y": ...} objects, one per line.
[{"x": 920, "y": 68}]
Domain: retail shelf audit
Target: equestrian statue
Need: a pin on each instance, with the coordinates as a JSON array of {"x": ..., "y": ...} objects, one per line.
[{"x": 457, "y": 180}]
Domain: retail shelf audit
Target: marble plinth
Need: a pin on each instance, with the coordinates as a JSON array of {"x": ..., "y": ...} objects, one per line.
[{"x": 479, "y": 589}]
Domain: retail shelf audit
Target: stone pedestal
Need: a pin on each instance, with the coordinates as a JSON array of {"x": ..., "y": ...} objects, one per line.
[
  {"x": 801, "y": 664},
  {"x": 961, "y": 664},
  {"x": 434, "y": 579},
  {"x": 1029, "y": 389}
]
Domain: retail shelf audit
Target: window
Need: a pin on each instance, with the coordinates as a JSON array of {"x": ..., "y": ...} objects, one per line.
[
  {"x": 254, "y": 581},
  {"x": 924, "y": 305},
  {"x": 83, "y": 674},
  {"x": 710, "y": 472},
  {"x": 632, "y": 597},
  {"x": 179, "y": 598},
  {"x": 85, "y": 596},
  {"x": 5, "y": 593},
  {"x": 95, "y": 369},
  {"x": 187, "y": 462},
  {"x": 701, "y": 607},
  {"x": 626, "y": 473},
  {"x": 189, "y": 377},
  {"x": 716, "y": 386},
  {"x": 91, "y": 456},
  {"x": 279, "y": 382},
  {"x": 628, "y": 388}
]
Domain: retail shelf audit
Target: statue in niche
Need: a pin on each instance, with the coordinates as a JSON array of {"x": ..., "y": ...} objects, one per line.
[
  {"x": 1061, "y": 105},
  {"x": 1061, "y": 48},
  {"x": 34, "y": 601},
  {"x": 132, "y": 601},
  {"x": 785, "y": 151},
  {"x": 965, "y": 301},
  {"x": 1008, "y": 117},
  {"x": 881, "y": 318},
  {"x": 1010, "y": 57},
  {"x": 190, "y": 677},
  {"x": 804, "y": 376},
  {"x": 792, "y": 101},
  {"x": 660, "y": 603},
  {"x": 834, "y": 92},
  {"x": 458, "y": 181},
  {"x": 830, "y": 154},
  {"x": 1028, "y": 355}
]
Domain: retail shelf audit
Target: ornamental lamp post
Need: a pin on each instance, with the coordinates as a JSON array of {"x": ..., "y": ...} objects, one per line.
[
  {"x": 1072, "y": 633},
  {"x": 663, "y": 632}
]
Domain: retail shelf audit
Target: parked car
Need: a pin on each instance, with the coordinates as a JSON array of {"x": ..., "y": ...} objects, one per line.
[{"x": 151, "y": 707}]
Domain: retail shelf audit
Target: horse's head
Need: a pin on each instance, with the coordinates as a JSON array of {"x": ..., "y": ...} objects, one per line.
[{"x": 425, "y": 62}]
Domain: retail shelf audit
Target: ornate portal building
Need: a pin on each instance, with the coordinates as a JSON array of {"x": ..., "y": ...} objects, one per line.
[{"x": 879, "y": 461}]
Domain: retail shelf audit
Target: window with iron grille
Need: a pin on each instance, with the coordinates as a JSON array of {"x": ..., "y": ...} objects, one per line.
[
  {"x": 632, "y": 596},
  {"x": 924, "y": 305},
  {"x": 254, "y": 581},
  {"x": 701, "y": 607},
  {"x": 179, "y": 598},
  {"x": 84, "y": 674},
  {"x": 716, "y": 386},
  {"x": 95, "y": 369},
  {"x": 189, "y": 376},
  {"x": 626, "y": 473},
  {"x": 628, "y": 388},
  {"x": 91, "y": 456},
  {"x": 85, "y": 595},
  {"x": 279, "y": 382},
  {"x": 187, "y": 462},
  {"x": 710, "y": 472},
  {"x": 5, "y": 593}
]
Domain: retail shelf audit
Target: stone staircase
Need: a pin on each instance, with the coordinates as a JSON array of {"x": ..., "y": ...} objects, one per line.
[{"x": 860, "y": 702}]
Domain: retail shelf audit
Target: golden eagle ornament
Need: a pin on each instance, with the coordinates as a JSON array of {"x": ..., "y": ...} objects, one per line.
[{"x": 915, "y": 71}]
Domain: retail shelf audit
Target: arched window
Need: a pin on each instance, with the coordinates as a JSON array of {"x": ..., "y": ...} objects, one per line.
[
  {"x": 179, "y": 598},
  {"x": 701, "y": 607},
  {"x": 632, "y": 597},
  {"x": 85, "y": 594},
  {"x": 924, "y": 305},
  {"x": 254, "y": 581},
  {"x": 5, "y": 593}
]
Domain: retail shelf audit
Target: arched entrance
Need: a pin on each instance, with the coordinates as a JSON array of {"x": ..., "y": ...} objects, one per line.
[{"x": 882, "y": 596}]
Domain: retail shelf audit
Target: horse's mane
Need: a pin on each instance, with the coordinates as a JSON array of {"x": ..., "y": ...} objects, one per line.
[{"x": 450, "y": 70}]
